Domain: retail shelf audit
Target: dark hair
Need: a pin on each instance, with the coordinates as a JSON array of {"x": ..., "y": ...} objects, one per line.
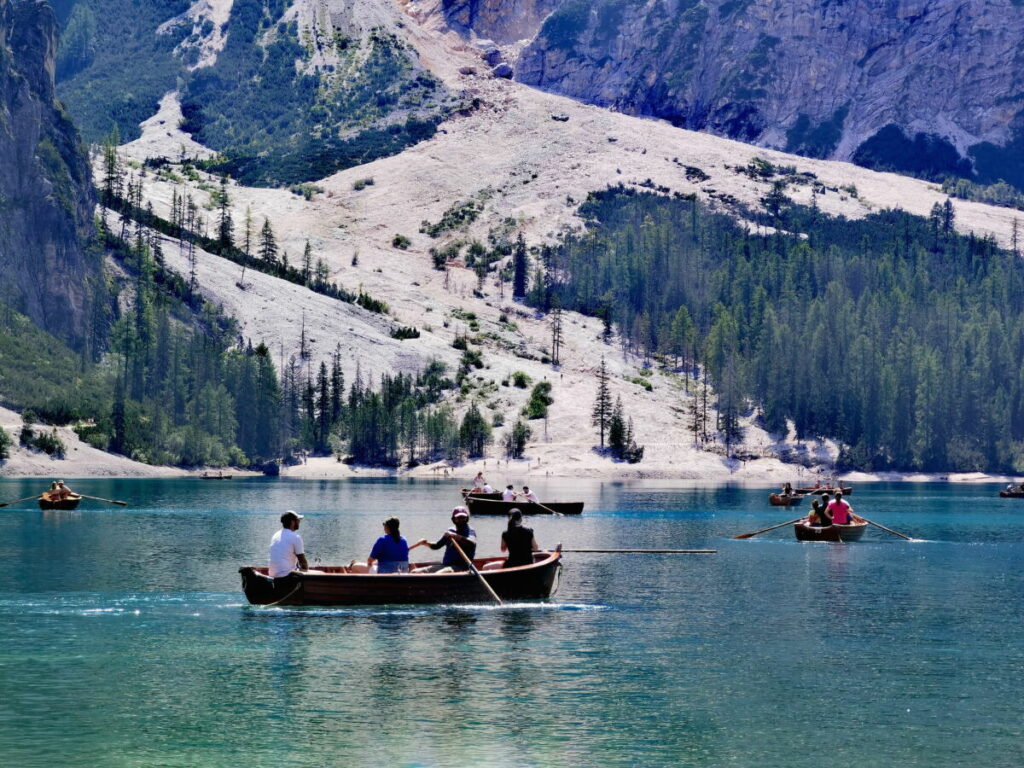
[
  {"x": 515, "y": 518},
  {"x": 391, "y": 526},
  {"x": 816, "y": 504}
]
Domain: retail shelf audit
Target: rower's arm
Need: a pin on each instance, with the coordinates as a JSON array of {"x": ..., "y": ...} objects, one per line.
[{"x": 303, "y": 565}]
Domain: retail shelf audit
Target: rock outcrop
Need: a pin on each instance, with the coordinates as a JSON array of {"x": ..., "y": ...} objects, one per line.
[
  {"x": 46, "y": 197},
  {"x": 503, "y": 21},
  {"x": 883, "y": 82}
]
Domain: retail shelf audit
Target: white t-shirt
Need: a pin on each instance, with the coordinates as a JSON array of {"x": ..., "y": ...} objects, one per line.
[
  {"x": 508, "y": 495},
  {"x": 531, "y": 497},
  {"x": 284, "y": 550},
  {"x": 487, "y": 489}
]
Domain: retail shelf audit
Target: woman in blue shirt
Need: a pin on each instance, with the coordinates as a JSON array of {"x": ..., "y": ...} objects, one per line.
[{"x": 390, "y": 551}]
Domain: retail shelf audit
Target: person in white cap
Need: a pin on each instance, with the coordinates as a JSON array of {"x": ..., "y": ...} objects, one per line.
[
  {"x": 459, "y": 532},
  {"x": 286, "y": 550}
]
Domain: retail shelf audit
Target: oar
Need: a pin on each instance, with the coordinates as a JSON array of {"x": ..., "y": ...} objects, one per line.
[
  {"x": 646, "y": 551},
  {"x": 887, "y": 530},
  {"x": 109, "y": 501},
  {"x": 18, "y": 501},
  {"x": 765, "y": 530},
  {"x": 477, "y": 573}
]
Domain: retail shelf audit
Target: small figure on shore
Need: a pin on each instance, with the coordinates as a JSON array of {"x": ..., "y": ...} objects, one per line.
[
  {"x": 391, "y": 551},
  {"x": 529, "y": 495},
  {"x": 518, "y": 541},
  {"x": 509, "y": 494},
  {"x": 286, "y": 550},
  {"x": 461, "y": 533}
]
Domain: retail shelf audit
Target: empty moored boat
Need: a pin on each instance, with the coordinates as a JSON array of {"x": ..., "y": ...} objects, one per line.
[{"x": 335, "y": 585}]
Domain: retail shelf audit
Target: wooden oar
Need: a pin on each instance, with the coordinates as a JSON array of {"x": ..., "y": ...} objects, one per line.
[
  {"x": 887, "y": 530},
  {"x": 646, "y": 551},
  {"x": 109, "y": 501},
  {"x": 765, "y": 530},
  {"x": 18, "y": 501},
  {"x": 477, "y": 573}
]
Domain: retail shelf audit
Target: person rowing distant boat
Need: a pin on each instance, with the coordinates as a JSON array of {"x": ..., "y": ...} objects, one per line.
[
  {"x": 479, "y": 481},
  {"x": 529, "y": 495},
  {"x": 509, "y": 494},
  {"x": 286, "y": 551}
]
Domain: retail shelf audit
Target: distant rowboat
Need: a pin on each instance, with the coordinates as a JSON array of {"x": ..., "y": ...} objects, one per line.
[
  {"x": 835, "y": 533},
  {"x": 782, "y": 500},
  {"x": 467, "y": 492},
  {"x": 847, "y": 490},
  {"x": 214, "y": 477},
  {"x": 334, "y": 585},
  {"x": 46, "y": 501},
  {"x": 489, "y": 507}
]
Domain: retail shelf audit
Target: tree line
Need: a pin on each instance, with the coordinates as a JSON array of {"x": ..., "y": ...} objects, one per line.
[{"x": 893, "y": 334}]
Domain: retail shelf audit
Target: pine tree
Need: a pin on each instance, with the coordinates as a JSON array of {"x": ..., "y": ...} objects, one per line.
[
  {"x": 520, "y": 268},
  {"x": 475, "y": 433},
  {"x": 267, "y": 251},
  {"x": 602, "y": 411},
  {"x": 307, "y": 263},
  {"x": 225, "y": 224},
  {"x": 556, "y": 336},
  {"x": 617, "y": 430}
]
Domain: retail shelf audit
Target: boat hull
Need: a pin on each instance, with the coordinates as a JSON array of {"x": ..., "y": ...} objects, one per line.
[
  {"x": 1011, "y": 494},
  {"x": 847, "y": 490},
  {"x": 835, "y": 533},
  {"x": 466, "y": 494},
  {"x": 334, "y": 586},
  {"x": 63, "y": 504},
  {"x": 489, "y": 507},
  {"x": 780, "y": 500}
]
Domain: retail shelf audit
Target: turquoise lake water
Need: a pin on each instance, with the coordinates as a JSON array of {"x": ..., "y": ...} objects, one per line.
[{"x": 125, "y": 639}]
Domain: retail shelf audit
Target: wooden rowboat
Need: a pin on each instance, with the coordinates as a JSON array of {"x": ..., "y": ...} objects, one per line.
[
  {"x": 1011, "y": 494},
  {"x": 467, "y": 492},
  {"x": 781, "y": 500},
  {"x": 489, "y": 507},
  {"x": 334, "y": 585},
  {"x": 48, "y": 502},
  {"x": 847, "y": 490},
  {"x": 214, "y": 477},
  {"x": 851, "y": 532}
]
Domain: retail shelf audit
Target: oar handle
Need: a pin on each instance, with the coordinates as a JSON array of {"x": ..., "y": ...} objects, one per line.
[
  {"x": 18, "y": 501},
  {"x": 476, "y": 573}
]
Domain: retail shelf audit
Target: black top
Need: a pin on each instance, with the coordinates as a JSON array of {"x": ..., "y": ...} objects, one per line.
[{"x": 519, "y": 541}]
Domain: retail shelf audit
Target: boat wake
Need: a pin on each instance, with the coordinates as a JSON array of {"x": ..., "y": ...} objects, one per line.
[{"x": 426, "y": 610}]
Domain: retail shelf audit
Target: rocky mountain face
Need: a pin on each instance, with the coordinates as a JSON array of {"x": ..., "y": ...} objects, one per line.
[
  {"x": 503, "y": 21},
  {"x": 929, "y": 87},
  {"x": 46, "y": 197}
]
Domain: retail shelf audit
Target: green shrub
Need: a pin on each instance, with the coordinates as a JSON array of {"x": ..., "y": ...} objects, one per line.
[
  {"x": 361, "y": 184},
  {"x": 5, "y": 444},
  {"x": 521, "y": 380},
  {"x": 50, "y": 444},
  {"x": 540, "y": 399},
  {"x": 405, "y": 333},
  {"x": 401, "y": 241}
]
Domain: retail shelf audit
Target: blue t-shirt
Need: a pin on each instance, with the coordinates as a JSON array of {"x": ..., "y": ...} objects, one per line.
[{"x": 389, "y": 553}]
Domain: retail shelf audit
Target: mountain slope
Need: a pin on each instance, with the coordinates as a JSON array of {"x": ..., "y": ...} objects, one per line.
[{"x": 928, "y": 87}]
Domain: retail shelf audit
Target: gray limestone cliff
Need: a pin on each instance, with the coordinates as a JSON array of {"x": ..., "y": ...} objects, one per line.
[
  {"x": 924, "y": 86},
  {"x": 46, "y": 197}
]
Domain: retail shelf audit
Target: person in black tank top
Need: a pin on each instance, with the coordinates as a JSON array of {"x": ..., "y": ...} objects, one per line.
[{"x": 518, "y": 541}]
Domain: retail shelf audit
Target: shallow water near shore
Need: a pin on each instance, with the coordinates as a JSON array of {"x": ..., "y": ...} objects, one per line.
[{"x": 125, "y": 639}]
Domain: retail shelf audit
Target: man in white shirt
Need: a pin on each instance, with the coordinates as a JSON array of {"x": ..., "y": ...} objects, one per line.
[
  {"x": 286, "y": 551},
  {"x": 508, "y": 494},
  {"x": 529, "y": 495}
]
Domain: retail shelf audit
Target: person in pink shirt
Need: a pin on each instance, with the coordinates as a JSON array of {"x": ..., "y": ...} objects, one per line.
[{"x": 840, "y": 511}]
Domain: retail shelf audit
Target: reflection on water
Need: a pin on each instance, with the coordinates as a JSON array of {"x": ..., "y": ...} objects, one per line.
[{"x": 124, "y": 638}]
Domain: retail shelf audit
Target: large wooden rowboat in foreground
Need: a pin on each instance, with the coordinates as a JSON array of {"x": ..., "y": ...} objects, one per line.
[
  {"x": 71, "y": 502},
  {"x": 488, "y": 507},
  {"x": 334, "y": 585},
  {"x": 851, "y": 532}
]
